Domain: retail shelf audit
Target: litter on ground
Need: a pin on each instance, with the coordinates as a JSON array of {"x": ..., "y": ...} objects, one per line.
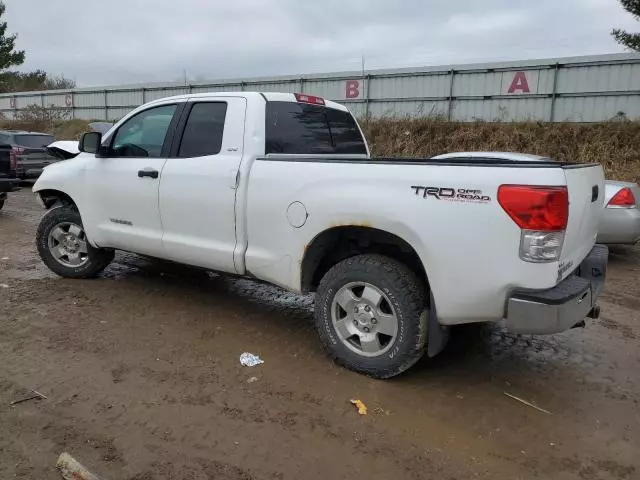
[
  {"x": 524, "y": 402},
  {"x": 71, "y": 469},
  {"x": 250, "y": 360},
  {"x": 362, "y": 408}
]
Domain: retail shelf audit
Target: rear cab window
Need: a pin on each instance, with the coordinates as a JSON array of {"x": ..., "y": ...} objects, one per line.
[
  {"x": 305, "y": 129},
  {"x": 33, "y": 141}
]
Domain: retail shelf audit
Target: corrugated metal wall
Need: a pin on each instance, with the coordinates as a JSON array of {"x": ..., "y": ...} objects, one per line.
[{"x": 578, "y": 89}]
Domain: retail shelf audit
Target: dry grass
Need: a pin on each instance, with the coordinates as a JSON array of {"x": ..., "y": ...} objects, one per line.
[
  {"x": 616, "y": 145},
  {"x": 48, "y": 120},
  {"x": 70, "y": 130}
]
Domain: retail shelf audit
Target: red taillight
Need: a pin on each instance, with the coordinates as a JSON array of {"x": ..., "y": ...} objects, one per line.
[
  {"x": 623, "y": 199},
  {"x": 536, "y": 208},
  {"x": 302, "y": 98},
  {"x": 13, "y": 157}
]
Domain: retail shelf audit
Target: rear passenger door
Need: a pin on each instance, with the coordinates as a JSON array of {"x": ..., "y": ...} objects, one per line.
[{"x": 198, "y": 185}]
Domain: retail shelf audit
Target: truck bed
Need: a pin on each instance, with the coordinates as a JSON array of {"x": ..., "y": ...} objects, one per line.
[{"x": 447, "y": 209}]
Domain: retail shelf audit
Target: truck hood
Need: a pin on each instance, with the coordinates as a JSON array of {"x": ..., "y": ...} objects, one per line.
[{"x": 64, "y": 149}]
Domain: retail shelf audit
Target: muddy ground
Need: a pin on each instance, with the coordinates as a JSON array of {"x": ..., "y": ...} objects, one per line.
[{"x": 143, "y": 381}]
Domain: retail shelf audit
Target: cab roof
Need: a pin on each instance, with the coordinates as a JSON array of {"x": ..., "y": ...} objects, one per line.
[{"x": 268, "y": 96}]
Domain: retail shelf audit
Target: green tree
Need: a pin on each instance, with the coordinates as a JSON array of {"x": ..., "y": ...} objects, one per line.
[
  {"x": 8, "y": 56},
  {"x": 33, "y": 81},
  {"x": 629, "y": 40}
]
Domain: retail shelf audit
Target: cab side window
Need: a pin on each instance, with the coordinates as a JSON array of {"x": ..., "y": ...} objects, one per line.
[
  {"x": 204, "y": 130},
  {"x": 144, "y": 134}
]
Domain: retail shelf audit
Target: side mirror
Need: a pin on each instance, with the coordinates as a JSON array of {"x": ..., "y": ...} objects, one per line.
[{"x": 90, "y": 142}]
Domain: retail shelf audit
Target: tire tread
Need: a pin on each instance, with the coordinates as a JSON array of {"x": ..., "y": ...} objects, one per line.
[
  {"x": 99, "y": 259},
  {"x": 409, "y": 292}
]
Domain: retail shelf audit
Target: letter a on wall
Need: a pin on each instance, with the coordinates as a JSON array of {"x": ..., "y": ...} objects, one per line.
[{"x": 519, "y": 84}]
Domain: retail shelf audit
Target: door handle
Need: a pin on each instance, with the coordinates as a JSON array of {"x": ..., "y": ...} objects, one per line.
[{"x": 147, "y": 173}]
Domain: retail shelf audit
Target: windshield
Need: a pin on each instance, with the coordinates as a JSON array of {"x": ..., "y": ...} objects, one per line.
[{"x": 34, "y": 141}]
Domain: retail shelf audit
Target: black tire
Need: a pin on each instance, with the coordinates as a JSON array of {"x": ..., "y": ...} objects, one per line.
[
  {"x": 98, "y": 259},
  {"x": 406, "y": 294},
  {"x": 1, "y": 203}
]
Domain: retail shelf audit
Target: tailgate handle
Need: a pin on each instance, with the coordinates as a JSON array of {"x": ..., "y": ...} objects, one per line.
[{"x": 595, "y": 193}]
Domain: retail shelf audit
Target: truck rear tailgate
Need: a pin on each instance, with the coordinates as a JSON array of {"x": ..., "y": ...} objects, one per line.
[
  {"x": 33, "y": 160},
  {"x": 5, "y": 162},
  {"x": 585, "y": 184}
]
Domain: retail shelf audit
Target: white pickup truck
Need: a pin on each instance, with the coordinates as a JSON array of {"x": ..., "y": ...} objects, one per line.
[{"x": 281, "y": 187}]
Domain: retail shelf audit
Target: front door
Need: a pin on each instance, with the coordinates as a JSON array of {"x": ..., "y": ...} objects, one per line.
[
  {"x": 198, "y": 185},
  {"x": 122, "y": 184}
]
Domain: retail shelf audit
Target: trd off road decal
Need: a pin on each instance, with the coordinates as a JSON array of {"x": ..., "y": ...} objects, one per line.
[{"x": 460, "y": 195}]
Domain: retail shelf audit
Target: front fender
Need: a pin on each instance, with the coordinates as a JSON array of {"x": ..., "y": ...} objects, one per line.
[
  {"x": 61, "y": 176},
  {"x": 64, "y": 180}
]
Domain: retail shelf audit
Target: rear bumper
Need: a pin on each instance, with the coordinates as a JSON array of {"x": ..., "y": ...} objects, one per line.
[
  {"x": 620, "y": 226},
  {"x": 32, "y": 167},
  {"x": 30, "y": 170},
  {"x": 563, "y": 306},
  {"x": 8, "y": 185}
]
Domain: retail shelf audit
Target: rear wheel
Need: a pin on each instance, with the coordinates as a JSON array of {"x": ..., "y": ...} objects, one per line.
[
  {"x": 371, "y": 315},
  {"x": 2, "y": 200},
  {"x": 64, "y": 248}
]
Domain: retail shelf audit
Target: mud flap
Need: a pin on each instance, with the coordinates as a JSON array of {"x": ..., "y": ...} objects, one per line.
[{"x": 437, "y": 335}]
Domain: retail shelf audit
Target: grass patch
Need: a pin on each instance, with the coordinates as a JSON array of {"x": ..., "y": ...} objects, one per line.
[{"x": 615, "y": 145}]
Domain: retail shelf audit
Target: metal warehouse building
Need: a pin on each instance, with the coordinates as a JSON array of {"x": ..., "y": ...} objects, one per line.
[{"x": 577, "y": 89}]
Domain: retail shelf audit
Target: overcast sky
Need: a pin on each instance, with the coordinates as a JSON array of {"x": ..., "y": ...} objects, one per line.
[{"x": 131, "y": 41}]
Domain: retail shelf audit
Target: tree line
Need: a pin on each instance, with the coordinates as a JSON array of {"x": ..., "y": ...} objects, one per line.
[{"x": 14, "y": 81}]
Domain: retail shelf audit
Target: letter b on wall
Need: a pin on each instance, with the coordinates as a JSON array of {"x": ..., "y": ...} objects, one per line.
[{"x": 352, "y": 89}]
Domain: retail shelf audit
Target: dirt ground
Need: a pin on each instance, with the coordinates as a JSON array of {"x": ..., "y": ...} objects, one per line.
[{"x": 143, "y": 381}]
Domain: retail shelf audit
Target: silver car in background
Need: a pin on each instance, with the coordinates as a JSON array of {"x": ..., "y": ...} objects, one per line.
[{"x": 620, "y": 222}]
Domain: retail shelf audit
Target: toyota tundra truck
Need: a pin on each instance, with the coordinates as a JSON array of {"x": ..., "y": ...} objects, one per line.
[{"x": 281, "y": 187}]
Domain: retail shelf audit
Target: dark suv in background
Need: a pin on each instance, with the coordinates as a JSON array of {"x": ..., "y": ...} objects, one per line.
[
  {"x": 28, "y": 153},
  {"x": 8, "y": 180}
]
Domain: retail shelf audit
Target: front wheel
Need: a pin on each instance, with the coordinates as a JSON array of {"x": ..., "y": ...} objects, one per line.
[
  {"x": 64, "y": 248},
  {"x": 371, "y": 315}
]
